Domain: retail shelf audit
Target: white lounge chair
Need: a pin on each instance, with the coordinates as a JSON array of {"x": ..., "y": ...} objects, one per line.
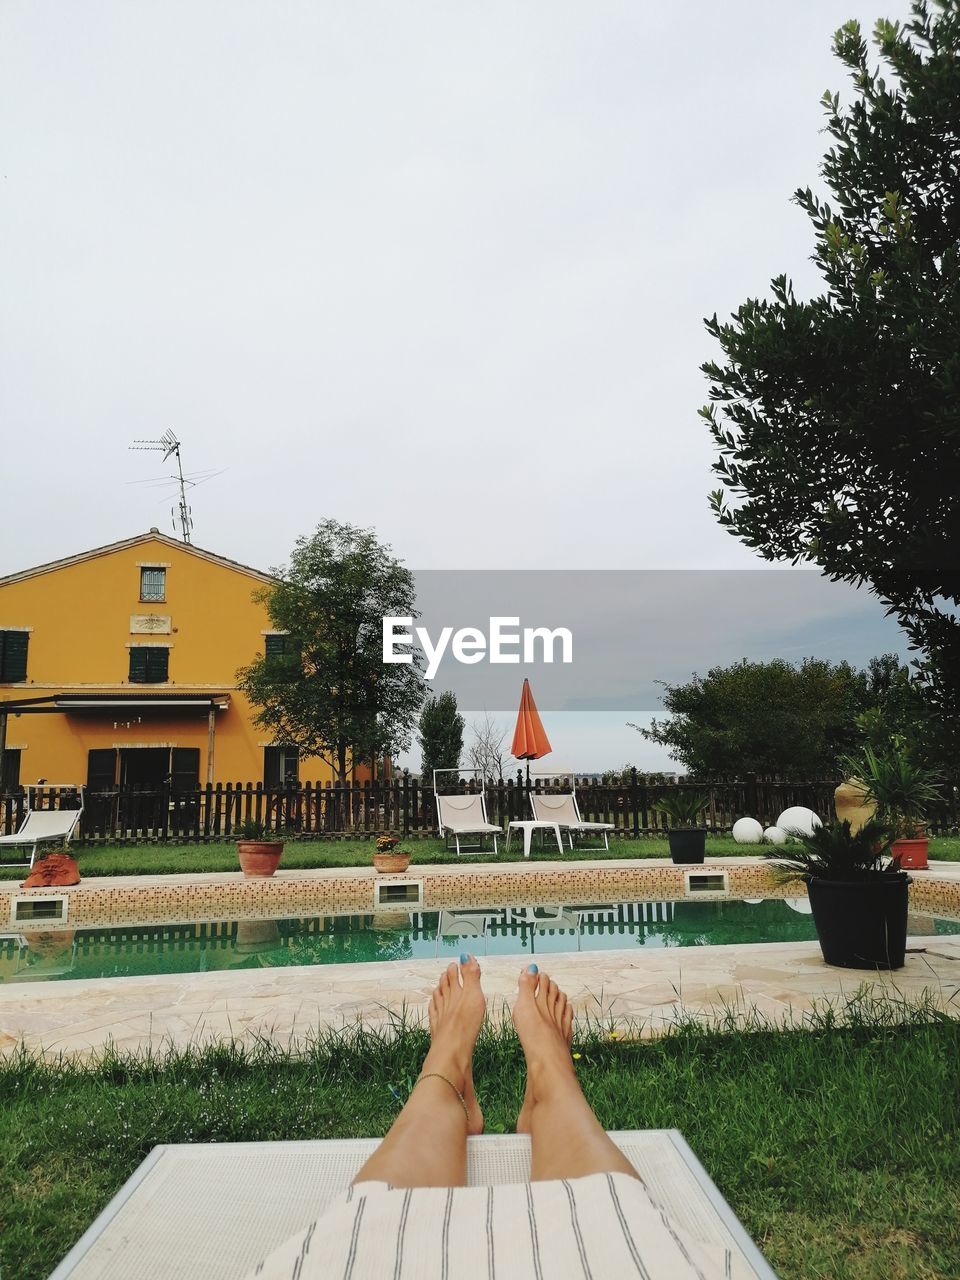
[
  {"x": 43, "y": 826},
  {"x": 452, "y": 924},
  {"x": 562, "y": 809},
  {"x": 215, "y": 1209},
  {"x": 464, "y": 815}
]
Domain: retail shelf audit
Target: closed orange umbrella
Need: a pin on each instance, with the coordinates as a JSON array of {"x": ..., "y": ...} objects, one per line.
[{"x": 530, "y": 740}]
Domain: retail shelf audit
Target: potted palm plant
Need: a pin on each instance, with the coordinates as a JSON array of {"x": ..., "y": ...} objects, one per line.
[
  {"x": 386, "y": 861},
  {"x": 858, "y": 893},
  {"x": 258, "y": 849},
  {"x": 903, "y": 792},
  {"x": 686, "y": 836}
]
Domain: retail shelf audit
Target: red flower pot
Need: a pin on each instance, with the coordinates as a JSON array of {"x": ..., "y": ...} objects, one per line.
[
  {"x": 259, "y": 857},
  {"x": 912, "y": 853}
]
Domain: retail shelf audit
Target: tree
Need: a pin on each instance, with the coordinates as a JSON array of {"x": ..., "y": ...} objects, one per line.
[
  {"x": 329, "y": 692},
  {"x": 486, "y": 750},
  {"x": 777, "y": 718},
  {"x": 441, "y": 735},
  {"x": 838, "y": 419}
]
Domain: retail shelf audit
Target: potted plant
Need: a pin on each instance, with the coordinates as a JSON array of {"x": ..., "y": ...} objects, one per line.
[
  {"x": 858, "y": 893},
  {"x": 258, "y": 849},
  {"x": 903, "y": 792},
  {"x": 385, "y": 860},
  {"x": 687, "y": 837}
]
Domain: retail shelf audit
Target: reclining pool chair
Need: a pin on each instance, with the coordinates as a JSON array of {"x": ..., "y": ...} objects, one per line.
[
  {"x": 563, "y": 809},
  {"x": 464, "y": 815},
  {"x": 43, "y": 826},
  {"x": 199, "y": 1209}
]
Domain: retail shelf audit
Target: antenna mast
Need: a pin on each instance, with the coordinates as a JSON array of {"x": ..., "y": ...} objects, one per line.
[{"x": 169, "y": 446}]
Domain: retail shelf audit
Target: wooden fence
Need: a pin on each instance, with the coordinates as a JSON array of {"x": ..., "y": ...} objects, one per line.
[{"x": 405, "y": 805}]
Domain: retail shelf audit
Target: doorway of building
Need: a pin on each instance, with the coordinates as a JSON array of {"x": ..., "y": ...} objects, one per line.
[{"x": 144, "y": 768}]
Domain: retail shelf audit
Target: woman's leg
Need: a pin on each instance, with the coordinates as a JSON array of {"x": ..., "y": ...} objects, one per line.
[
  {"x": 566, "y": 1138},
  {"x": 427, "y": 1143}
]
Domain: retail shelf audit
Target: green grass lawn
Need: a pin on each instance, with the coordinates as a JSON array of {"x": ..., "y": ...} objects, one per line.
[
  {"x": 838, "y": 1149},
  {"x": 142, "y": 859}
]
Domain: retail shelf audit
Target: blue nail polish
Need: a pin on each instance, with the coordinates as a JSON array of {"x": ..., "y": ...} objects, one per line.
[
  {"x": 464, "y": 958},
  {"x": 533, "y": 968}
]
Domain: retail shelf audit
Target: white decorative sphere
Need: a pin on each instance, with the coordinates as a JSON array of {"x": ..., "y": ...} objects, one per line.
[
  {"x": 747, "y": 831},
  {"x": 800, "y": 905},
  {"x": 775, "y": 835},
  {"x": 798, "y": 821}
]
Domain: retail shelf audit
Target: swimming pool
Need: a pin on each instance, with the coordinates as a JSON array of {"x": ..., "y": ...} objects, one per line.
[{"x": 132, "y": 951}]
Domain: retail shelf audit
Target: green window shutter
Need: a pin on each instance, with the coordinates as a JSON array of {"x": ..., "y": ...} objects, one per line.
[
  {"x": 138, "y": 665},
  {"x": 101, "y": 769},
  {"x": 271, "y": 766},
  {"x": 158, "y": 661},
  {"x": 185, "y": 769},
  {"x": 13, "y": 656},
  {"x": 274, "y": 646}
]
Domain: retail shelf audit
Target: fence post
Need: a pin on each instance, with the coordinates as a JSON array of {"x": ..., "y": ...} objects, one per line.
[
  {"x": 634, "y": 803},
  {"x": 752, "y": 795},
  {"x": 406, "y": 803}
]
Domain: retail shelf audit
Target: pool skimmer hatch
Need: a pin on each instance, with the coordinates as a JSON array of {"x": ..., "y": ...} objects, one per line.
[
  {"x": 52, "y": 908},
  {"x": 393, "y": 893},
  {"x": 697, "y": 883}
]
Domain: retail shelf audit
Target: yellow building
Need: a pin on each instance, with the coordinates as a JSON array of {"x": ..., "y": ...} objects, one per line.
[{"x": 124, "y": 659}]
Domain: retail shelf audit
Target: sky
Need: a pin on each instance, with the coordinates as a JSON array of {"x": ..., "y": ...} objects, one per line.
[{"x": 438, "y": 269}]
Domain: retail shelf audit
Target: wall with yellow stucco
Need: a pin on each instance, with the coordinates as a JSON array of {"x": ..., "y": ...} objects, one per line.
[{"x": 79, "y": 615}]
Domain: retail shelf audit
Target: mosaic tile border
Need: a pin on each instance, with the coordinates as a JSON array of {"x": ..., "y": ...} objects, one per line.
[{"x": 172, "y": 899}]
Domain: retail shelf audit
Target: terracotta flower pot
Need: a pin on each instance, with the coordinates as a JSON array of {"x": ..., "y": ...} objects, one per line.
[
  {"x": 257, "y": 935},
  {"x": 912, "y": 853},
  {"x": 390, "y": 864},
  {"x": 259, "y": 857}
]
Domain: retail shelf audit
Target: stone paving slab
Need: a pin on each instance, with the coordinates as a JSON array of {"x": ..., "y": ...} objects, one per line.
[{"x": 639, "y": 994}]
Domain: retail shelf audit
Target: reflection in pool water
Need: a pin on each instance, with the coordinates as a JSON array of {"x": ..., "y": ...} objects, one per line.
[{"x": 402, "y": 935}]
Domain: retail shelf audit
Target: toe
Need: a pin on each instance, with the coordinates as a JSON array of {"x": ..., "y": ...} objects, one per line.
[
  {"x": 527, "y": 982},
  {"x": 567, "y": 1023},
  {"x": 451, "y": 978},
  {"x": 471, "y": 970}
]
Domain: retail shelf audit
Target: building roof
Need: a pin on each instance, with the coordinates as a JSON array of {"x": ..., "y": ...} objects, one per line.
[{"x": 153, "y": 535}]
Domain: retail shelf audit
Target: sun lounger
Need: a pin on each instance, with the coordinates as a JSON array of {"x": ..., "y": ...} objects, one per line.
[
  {"x": 215, "y": 1209},
  {"x": 43, "y": 826},
  {"x": 563, "y": 810},
  {"x": 464, "y": 815}
]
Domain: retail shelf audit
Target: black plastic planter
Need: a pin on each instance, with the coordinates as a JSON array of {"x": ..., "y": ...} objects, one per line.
[
  {"x": 687, "y": 844},
  {"x": 861, "y": 924}
]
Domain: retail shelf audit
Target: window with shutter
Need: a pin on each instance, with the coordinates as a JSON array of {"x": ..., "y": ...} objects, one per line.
[
  {"x": 274, "y": 646},
  {"x": 149, "y": 665},
  {"x": 13, "y": 656}
]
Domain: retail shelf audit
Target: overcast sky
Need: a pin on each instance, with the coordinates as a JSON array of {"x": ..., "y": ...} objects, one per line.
[{"x": 438, "y": 268}]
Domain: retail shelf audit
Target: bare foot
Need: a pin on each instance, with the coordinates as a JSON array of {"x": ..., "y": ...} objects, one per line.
[
  {"x": 543, "y": 1017},
  {"x": 456, "y": 1016}
]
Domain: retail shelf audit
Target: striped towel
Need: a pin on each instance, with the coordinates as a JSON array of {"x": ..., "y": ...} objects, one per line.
[{"x": 602, "y": 1227}]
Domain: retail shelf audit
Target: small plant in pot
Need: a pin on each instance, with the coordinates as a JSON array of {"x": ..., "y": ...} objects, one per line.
[
  {"x": 903, "y": 792},
  {"x": 687, "y": 836},
  {"x": 258, "y": 849},
  {"x": 387, "y": 860},
  {"x": 858, "y": 893}
]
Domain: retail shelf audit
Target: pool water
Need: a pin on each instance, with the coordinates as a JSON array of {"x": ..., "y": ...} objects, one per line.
[{"x": 118, "y": 952}]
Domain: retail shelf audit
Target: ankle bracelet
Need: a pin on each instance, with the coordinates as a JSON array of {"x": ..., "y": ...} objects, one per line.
[{"x": 435, "y": 1075}]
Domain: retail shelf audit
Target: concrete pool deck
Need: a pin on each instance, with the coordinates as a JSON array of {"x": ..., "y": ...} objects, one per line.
[{"x": 645, "y": 992}]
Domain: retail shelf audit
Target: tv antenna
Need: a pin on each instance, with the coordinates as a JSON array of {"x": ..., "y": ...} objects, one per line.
[{"x": 169, "y": 446}]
